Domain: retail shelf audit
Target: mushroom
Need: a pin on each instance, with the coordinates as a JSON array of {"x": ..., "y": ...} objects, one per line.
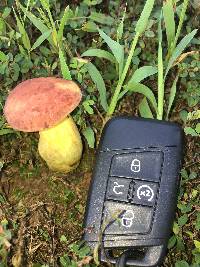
[{"x": 44, "y": 105}]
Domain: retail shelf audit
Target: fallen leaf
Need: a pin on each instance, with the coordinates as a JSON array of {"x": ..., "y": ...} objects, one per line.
[
  {"x": 184, "y": 55},
  {"x": 84, "y": 261}
]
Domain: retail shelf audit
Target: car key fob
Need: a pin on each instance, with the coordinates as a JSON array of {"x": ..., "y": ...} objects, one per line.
[{"x": 133, "y": 193}]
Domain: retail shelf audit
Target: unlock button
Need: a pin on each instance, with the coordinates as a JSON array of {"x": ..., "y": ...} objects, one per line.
[{"x": 122, "y": 219}]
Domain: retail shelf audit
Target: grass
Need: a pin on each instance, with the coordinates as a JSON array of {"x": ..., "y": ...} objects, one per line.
[{"x": 41, "y": 212}]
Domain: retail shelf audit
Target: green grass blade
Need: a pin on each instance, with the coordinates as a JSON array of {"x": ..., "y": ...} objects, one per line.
[
  {"x": 181, "y": 20},
  {"x": 100, "y": 54},
  {"x": 179, "y": 49},
  {"x": 44, "y": 17},
  {"x": 46, "y": 6},
  {"x": 116, "y": 48},
  {"x": 89, "y": 136},
  {"x": 41, "y": 39},
  {"x": 142, "y": 73},
  {"x": 27, "y": 7},
  {"x": 122, "y": 78},
  {"x": 120, "y": 29},
  {"x": 168, "y": 13},
  {"x": 160, "y": 73},
  {"x": 64, "y": 67},
  {"x": 101, "y": 18},
  {"x": 36, "y": 21},
  {"x": 99, "y": 82},
  {"x": 144, "y": 109},
  {"x": 25, "y": 38},
  {"x": 63, "y": 21},
  {"x": 172, "y": 96},
  {"x": 143, "y": 89},
  {"x": 144, "y": 17},
  {"x": 123, "y": 93},
  {"x": 140, "y": 27}
]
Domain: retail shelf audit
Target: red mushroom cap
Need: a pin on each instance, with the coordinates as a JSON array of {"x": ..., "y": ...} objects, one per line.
[{"x": 40, "y": 103}]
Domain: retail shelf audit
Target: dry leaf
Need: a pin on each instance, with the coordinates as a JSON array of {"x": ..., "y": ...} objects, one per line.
[
  {"x": 84, "y": 261},
  {"x": 184, "y": 55},
  {"x": 17, "y": 259}
]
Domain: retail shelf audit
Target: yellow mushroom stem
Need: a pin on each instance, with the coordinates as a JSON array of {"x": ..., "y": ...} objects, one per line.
[{"x": 61, "y": 146}]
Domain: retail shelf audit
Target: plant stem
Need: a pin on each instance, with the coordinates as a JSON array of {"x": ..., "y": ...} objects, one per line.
[
  {"x": 114, "y": 99},
  {"x": 161, "y": 84},
  {"x": 182, "y": 16}
]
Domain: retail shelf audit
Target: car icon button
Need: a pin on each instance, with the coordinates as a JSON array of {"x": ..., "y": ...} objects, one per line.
[{"x": 118, "y": 188}]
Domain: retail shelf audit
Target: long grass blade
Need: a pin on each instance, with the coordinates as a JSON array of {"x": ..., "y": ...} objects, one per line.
[
  {"x": 101, "y": 18},
  {"x": 116, "y": 48},
  {"x": 144, "y": 109},
  {"x": 160, "y": 73},
  {"x": 25, "y": 38},
  {"x": 120, "y": 28},
  {"x": 122, "y": 78},
  {"x": 99, "y": 82},
  {"x": 27, "y": 7},
  {"x": 180, "y": 25},
  {"x": 41, "y": 39},
  {"x": 46, "y": 6},
  {"x": 144, "y": 90},
  {"x": 172, "y": 96},
  {"x": 144, "y": 17},
  {"x": 140, "y": 27},
  {"x": 142, "y": 73},
  {"x": 168, "y": 13},
  {"x": 100, "y": 53},
  {"x": 64, "y": 67},
  {"x": 179, "y": 49},
  {"x": 89, "y": 136},
  {"x": 62, "y": 24},
  {"x": 36, "y": 21},
  {"x": 43, "y": 16}
]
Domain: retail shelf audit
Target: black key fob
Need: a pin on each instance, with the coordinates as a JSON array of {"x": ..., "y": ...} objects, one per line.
[{"x": 133, "y": 194}]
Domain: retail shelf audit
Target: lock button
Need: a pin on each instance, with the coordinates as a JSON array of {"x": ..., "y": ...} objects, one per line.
[
  {"x": 141, "y": 165},
  {"x": 122, "y": 219}
]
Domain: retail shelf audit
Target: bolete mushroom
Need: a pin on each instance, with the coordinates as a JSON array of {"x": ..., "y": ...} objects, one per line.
[{"x": 44, "y": 105}]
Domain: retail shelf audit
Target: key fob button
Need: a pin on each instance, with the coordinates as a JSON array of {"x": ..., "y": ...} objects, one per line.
[
  {"x": 118, "y": 188},
  {"x": 144, "y": 193},
  {"x": 123, "y": 219},
  {"x": 141, "y": 165}
]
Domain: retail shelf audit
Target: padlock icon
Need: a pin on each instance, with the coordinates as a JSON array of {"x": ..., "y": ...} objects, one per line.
[
  {"x": 127, "y": 219},
  {"x": 135, "y": 165}
]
